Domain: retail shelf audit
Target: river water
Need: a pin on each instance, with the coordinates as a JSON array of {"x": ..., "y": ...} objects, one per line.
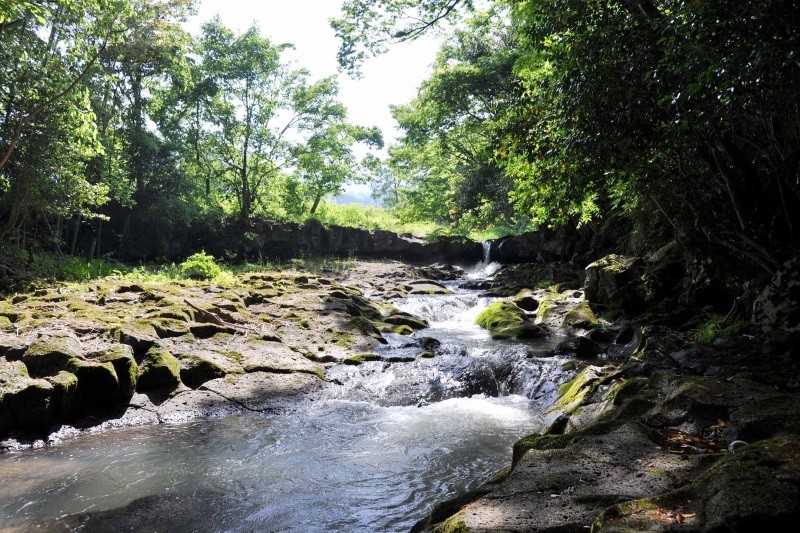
[{"x": 372, "y": 452}]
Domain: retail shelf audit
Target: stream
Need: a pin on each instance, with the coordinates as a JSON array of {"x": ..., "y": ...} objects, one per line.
[{"x": 374, "y": 451}]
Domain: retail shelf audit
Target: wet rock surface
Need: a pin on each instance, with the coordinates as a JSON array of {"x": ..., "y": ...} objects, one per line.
[
  {"x": 657, "y": 430},
  {"x": 115, "y": 353}
]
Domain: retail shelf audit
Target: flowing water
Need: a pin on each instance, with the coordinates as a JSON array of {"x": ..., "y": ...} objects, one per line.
[{"x": 372, "y": 452}]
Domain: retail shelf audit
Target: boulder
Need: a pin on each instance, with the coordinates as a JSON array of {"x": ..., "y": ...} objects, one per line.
[
  {"x": 24, "y": 402},
  {"x": 98, "y": 385},
  {"x": 615, "y": 280},
  {"x": 64, "y": 400},
  {"x": 49, "y": 354},
  {"x": 580, "y": 347},
  {"x": 505, "y": 320},
  {"x": 777, "y": 309},
  {"x": 121, "y": 358},
  {"x": 159, "y": 370}
]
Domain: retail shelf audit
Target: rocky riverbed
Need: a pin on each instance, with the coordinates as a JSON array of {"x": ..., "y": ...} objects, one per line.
[
  {"x": 116, "y": 353},
  {"x": 644, "y": 426},
  {"x": 657, "y": 430}
]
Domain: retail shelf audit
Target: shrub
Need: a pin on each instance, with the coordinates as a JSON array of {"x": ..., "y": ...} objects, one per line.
[
  {"x": 200, "y": 266},
  {"x": 718, "y": 327}
]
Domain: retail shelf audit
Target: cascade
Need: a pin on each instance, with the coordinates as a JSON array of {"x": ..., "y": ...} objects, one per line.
[{"x": 371, "y": 452}]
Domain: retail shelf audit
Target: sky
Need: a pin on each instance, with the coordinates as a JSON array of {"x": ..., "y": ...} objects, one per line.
[{"x": 389, "y": 79}]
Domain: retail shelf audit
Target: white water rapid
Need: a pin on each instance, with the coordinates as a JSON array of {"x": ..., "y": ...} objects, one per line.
[{"x": 372, "y": 452}]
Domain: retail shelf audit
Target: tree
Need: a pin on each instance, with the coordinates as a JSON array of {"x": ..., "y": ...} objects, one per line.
[
  {"x": 266, "y": 118},
  {"x": 453, "y": 121},
  {"x": 46, "y": 55},
  {"x": 368, "y": 26},
  {"x": 325, "y": 161}
]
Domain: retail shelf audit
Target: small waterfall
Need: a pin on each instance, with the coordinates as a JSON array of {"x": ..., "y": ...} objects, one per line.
[{"x": 485, "y": 268}]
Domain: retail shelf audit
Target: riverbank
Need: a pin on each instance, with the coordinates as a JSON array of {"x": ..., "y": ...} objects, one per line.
[
  {"x": 113, "y": 353},
  {"x": 659, "y": 413},
  {"x": 683, "y": 420}
]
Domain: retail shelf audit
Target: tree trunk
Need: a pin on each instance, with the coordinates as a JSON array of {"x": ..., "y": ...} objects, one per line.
[
  {"x": 92, "y": 245},
  {"x": 126, "y": 224},
  {"x": 74, "y": 240},
  {"x": 315, "y": 205},
  {"x": 99, "y": 235}
]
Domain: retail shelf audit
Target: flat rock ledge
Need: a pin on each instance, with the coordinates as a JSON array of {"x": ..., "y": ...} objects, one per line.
[{"x": 112, "y": 353}]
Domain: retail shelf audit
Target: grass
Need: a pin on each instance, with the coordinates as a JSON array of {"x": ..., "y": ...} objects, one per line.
[
  {"x": 372, "y": 218},
  {"x": 199, "y": 268},
  {"x": 718, "y": 327}
]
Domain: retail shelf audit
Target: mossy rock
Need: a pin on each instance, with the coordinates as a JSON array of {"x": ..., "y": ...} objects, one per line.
[
  {"x": 615, "y": 280},
  {"x": 98, "y": 384},
  {"x": 454, "y": 524},
  {"x": 64, "y": 400},
  {"x": 580, "y": 347},
  {"x": 427, "y": 287},
  {"x": 504, "y": 320},
  {"x": 405, "y": 319},
  {"x": 754, "y": 489},
  {"x": 581, "y": 316},
  {"x": 8, "y": 311},
  {"x": 170, "y": 327},
  {"x": 194, "y": 371},
  {"x": 159, "y": 370},
  {"x": 365, "y": 326},
  {"x": 5, "y": 323},
  {"x": 25, "y": 403},
  {"x": 48, "y": 355},
  {"x": 175, "y": 313},
  {"x": 139, "y": 335},
  {"x": 527, "y": 301},
  {"x": 402, "y": 329},
  {"x": 572, "y": 393},
  {"x": 122, "y": 359}
]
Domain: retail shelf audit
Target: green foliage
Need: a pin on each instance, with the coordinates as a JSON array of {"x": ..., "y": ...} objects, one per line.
[
  {"x": 720, "y": 327},
  {"x": 200, "y": 266},
  {"x": 681, "y": 111},
  {"x": 368, "y": 26},
  {"x": 368, "y": 217}
]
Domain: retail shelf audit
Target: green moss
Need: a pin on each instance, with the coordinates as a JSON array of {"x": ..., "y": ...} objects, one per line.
[
  {"x": 159, "y": 369},
  {"x": 121, "y": 357},
  {"x": 64, "y": 380},
  {"x": 570, "y": 366},
  {"x": 614, "y": 264},
  {"x": 581, "y": 316},
  {"x": 454, "y": 524},
  {"x": 48, "y": 355},
  {"x": 170, "y": 327},
  {"x": 504, "y": 320},
  {"x": 362, "y": 325},
  {"x": 622, "y": 390},
  {"x": 5, "y": 322},
  {"x": 402, "y": 330},
  {"x": 573, "y": 392}
]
